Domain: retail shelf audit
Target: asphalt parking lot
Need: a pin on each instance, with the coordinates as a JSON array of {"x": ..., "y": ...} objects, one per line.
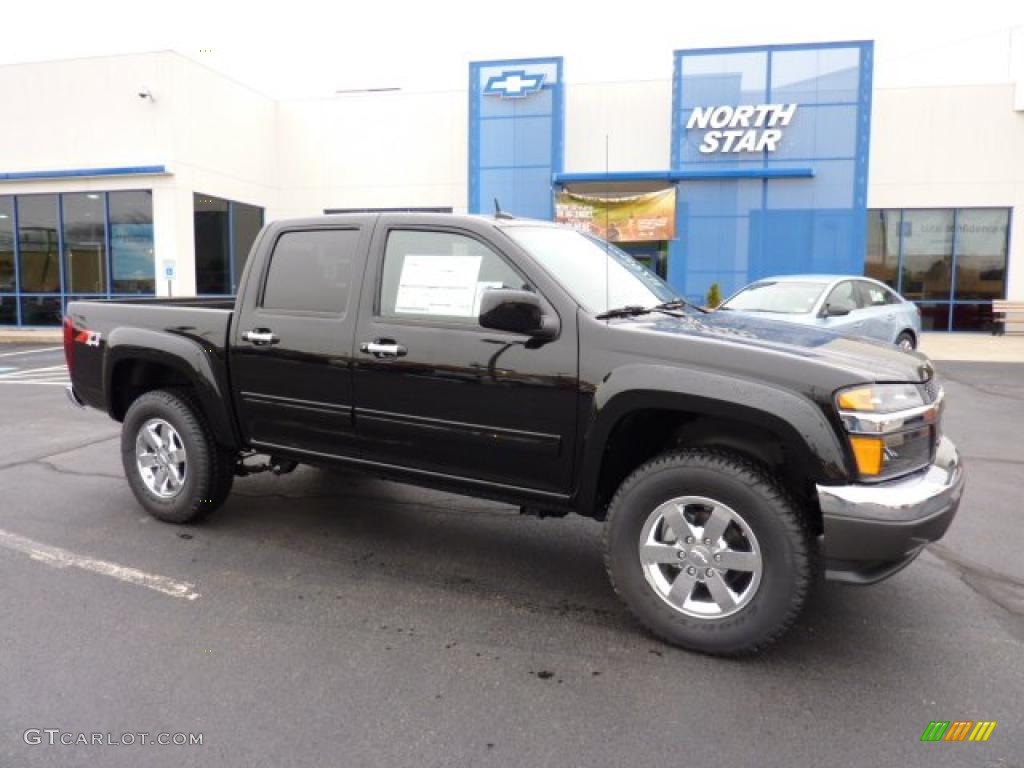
[{"x": 341, "y": 620}]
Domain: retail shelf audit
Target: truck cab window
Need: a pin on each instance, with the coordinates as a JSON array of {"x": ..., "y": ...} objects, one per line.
[
  {"x": 440, "y": 275},
  {"x": 311, "y": 271}
]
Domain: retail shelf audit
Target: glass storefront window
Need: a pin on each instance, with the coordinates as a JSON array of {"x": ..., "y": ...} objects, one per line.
[
  {"x": 213, "y": 270},
  {"x": 981, "y": 244},
  {"x": 90, "y": 244},
  {"x": 883, "y": 255},
  {"x": 971, "y": 316},
  {"x": 7, "y": 282},
  {"x": 927, "y": 254},
  {"x": 247, "y": 221},
  {"x": 131, "y": 241},
  {"x": 8, "y": 310},
  {"x": 85, "y": 243},
  {"x": 41, "y": 310},
  {"x": 929, "y": 245},
  {"x": 934, "y": 316},
  {"x": 224, "y": 233},
  {"x": 37, "y": 244}
]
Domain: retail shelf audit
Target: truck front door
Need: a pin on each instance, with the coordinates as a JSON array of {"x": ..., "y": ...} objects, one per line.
[{"x": 437, "y": 392}]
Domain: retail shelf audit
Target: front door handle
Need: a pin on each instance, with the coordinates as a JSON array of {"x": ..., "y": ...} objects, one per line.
[
  {"x": 383, "y": 348},
  {"x": 260, "y": 337}
]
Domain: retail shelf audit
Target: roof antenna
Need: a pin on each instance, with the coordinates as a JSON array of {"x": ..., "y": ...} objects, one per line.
[
  {"x": 607, "y": 233},
  {"x": 500, "y": 214}
]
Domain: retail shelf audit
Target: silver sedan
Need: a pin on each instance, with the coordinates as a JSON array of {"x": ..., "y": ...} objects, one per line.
[{"x": 853, "y": 306}]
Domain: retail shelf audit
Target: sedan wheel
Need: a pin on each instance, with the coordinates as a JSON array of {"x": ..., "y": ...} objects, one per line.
[{"x": 906, "y": 342}]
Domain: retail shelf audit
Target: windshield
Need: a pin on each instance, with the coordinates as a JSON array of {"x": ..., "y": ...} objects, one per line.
[
  {"x": 598, "y": 274},
  {"x": 788, "y": 298}
]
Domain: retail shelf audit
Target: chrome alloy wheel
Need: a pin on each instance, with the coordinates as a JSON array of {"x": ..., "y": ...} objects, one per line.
[
  {"x": 906, "y": 344},
  {"x": 700, "y": 557},
  {"x": 160, "y": 456}
]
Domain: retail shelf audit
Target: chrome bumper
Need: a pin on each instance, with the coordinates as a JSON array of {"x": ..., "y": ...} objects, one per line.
[{"x": 872, "y": 531}]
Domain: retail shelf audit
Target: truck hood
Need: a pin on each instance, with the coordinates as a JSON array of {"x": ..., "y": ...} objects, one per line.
[{"x": 867, "y": 359}]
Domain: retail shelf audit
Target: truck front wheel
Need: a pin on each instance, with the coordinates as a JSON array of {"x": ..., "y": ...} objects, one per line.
[
  {"x": 709, "y": 552},
  {"x": 174, "y": 467}
]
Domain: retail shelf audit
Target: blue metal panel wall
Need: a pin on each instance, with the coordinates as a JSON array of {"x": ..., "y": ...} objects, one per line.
[
  {"x": 733, "y": 230},
  {"x": 516, "y": 135}
]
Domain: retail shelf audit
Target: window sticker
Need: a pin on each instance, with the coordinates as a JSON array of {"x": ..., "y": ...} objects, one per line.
[{"x": 438, "y": 285}]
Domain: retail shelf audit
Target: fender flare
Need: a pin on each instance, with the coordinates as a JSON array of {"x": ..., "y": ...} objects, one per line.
[
  {"x": 797, "y": 419},
  {"x": 183, "y": 354}
]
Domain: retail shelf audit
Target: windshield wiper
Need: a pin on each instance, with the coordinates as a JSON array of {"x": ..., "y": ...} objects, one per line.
[
  {"x": 680, "y": 304},
  {"x": 633, "y": 310}
]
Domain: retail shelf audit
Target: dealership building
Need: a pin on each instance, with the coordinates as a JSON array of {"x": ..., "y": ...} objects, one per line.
[{"x": 152, "y": 174}]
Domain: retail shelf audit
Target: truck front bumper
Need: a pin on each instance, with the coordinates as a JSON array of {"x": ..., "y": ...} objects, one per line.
[{"x": 873, "y": 531}]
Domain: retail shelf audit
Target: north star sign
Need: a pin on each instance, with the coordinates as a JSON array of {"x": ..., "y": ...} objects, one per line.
[
  {"x": 513, "y": 84},
  {"x": 746, "y": 128}
]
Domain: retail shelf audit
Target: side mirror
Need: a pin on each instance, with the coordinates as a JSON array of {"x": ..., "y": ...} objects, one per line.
[
  {"x": 514, "y": 311},
  {"x": 834, "y": 311}
]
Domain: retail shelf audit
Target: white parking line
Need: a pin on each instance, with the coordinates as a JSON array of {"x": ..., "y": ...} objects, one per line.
[
  {"x": 48, "y": 369},
  {"x": 62, "y": 558},
  {"x": 30, "y": 351}
]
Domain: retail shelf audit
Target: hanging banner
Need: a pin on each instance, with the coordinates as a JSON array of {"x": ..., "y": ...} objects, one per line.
[{"x": 628, "y": 219}]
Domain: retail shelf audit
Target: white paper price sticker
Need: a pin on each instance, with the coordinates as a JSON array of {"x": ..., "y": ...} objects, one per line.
[{"x": 438, "y": 285}]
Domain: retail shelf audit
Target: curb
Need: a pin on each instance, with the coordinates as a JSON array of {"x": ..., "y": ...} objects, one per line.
[{"x": 31, "y": 336}]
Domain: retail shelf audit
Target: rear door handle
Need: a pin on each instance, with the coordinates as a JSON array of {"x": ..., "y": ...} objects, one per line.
[
  {"x": 383, "y": 348},
  {"x": 260, "y": 337}
]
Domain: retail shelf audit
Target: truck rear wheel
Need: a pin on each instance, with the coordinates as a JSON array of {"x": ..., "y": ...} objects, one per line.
[
  {"x": 709, "y": 552},
  {"x": 174, "y": 466}
]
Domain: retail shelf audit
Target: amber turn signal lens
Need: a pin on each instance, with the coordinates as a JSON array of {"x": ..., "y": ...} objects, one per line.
[
  {"x": 868, "y": 453},
  {"x": 860, "y": 399}
]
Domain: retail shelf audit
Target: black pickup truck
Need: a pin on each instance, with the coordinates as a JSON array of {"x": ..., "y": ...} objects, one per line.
[{"x": 732, "y": 460}]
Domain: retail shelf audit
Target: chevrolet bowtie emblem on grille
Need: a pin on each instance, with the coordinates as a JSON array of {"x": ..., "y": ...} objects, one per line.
[{"x": 513, "y": 84}]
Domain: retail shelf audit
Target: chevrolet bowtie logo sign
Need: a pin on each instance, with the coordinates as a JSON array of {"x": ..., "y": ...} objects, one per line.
[{"x": 513, "y": 84}]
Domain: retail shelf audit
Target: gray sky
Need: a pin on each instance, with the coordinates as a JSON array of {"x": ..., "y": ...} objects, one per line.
[{"x": 301, "y": 48}]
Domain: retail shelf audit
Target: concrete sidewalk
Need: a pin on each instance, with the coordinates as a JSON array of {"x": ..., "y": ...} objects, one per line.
[
  {"x": 973, "y": 347},
  {"x": 31, "y": 336}
]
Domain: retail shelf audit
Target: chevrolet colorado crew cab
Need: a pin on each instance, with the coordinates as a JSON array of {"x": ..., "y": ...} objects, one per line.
[{"x": 733, "y": 460}]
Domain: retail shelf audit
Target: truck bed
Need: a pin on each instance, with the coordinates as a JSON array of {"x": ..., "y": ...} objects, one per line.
[
  {"x": 98, "y": 333},
  {"x": 202, "y": 302}
]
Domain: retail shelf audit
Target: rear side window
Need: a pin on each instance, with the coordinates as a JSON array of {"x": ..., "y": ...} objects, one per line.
[
  {"x": 876, "y": 295},
  {"x": 440, "y": 275},
  {"x": 311, "y": 271}
]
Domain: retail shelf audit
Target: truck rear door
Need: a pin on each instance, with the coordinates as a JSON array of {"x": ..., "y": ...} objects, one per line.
[{"x": 292, "y": 342}]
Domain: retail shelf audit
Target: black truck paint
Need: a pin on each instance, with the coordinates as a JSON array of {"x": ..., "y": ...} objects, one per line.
[{"x": 553, "y": 424}]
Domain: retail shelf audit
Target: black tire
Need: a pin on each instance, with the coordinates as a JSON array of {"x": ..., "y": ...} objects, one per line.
[
  {"x": 906, "y": 338},
  {"x": 205, "y": 484},
  {"x": 225, "y": 479},
  {"x": 786, "y": 549}
]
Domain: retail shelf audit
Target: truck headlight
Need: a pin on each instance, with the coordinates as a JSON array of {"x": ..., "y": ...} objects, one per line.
[{"x": 891, "y": 428}]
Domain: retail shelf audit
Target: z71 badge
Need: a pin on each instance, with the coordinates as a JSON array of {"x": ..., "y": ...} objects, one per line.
[{"x": 89, "y": 338}]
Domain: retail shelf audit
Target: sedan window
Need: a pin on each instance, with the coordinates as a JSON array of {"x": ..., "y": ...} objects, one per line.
[
  {"x": 876, "y": 295},
  {"x": 844, "y": 296},
  {"x": 785, "y": 297}
]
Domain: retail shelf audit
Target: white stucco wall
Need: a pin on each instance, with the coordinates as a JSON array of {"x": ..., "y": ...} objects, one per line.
[
  {"x": 634, "y": 117},
  {"x": 959, "y": 146},
  {"x": 930, "y": 147}
]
